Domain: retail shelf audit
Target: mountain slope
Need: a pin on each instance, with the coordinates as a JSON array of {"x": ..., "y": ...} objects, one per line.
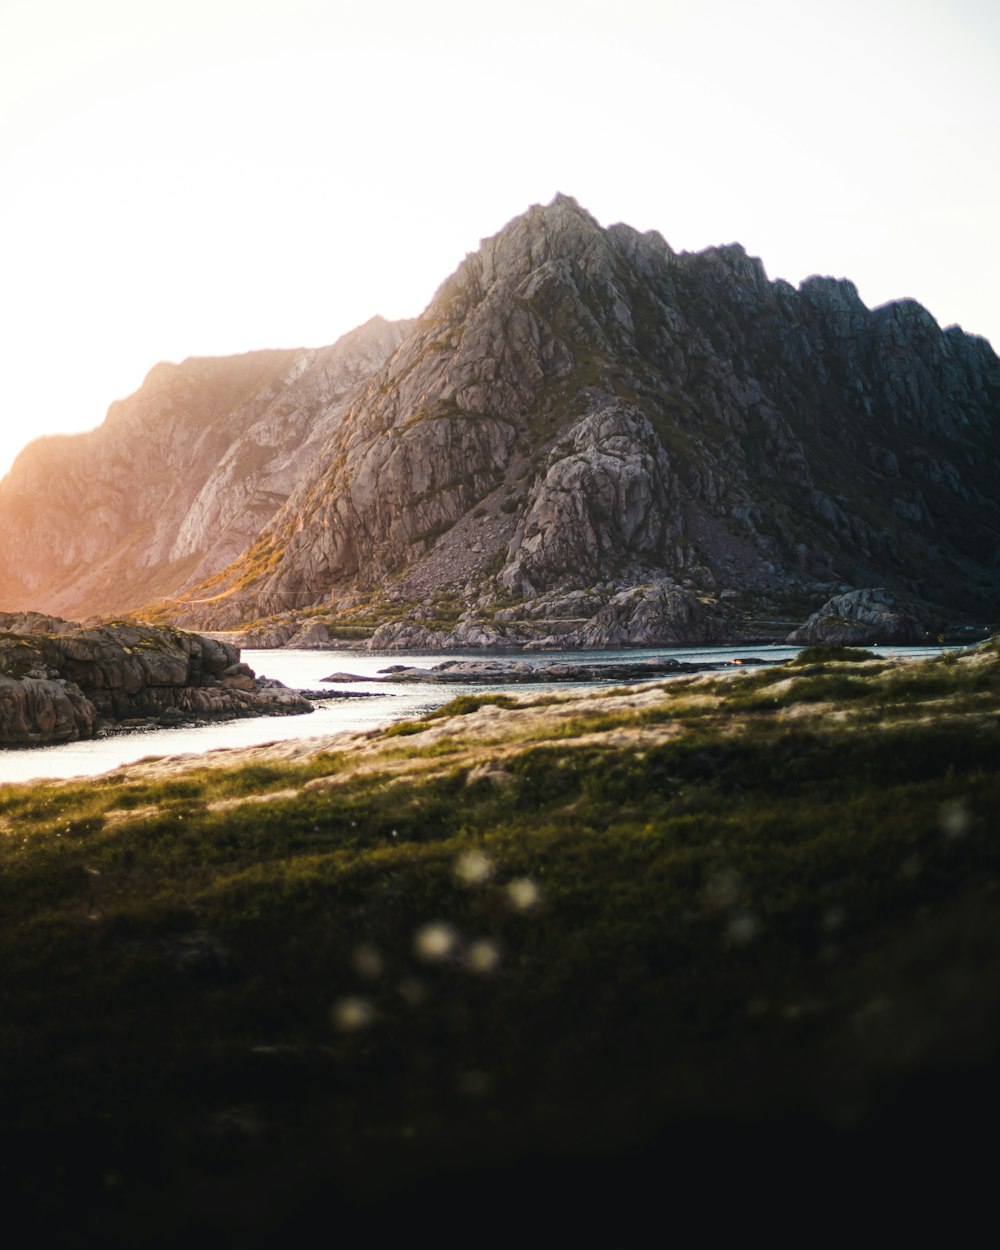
[
  {"x": 179, "y": 478},
  {"x": 581, "y": 407},
  {"x": 586, "y": 434}
]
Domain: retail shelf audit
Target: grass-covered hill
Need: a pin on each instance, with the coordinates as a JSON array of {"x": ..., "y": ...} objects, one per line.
[{"x": 538, "y": 957}]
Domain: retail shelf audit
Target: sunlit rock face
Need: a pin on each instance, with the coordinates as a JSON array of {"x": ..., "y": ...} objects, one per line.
[
  {"x": 179, "y": 478},
  {"x": 579, "y": 411}
]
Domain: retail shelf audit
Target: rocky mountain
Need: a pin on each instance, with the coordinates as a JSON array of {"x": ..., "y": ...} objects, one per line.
[
  {"x": 586, "y": 439},
  {"x": 584, "y": 409},
  {"x": 178, "y": 480}
]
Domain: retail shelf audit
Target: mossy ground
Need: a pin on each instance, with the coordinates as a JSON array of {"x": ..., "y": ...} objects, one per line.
[{"x": 513, "y": 949}]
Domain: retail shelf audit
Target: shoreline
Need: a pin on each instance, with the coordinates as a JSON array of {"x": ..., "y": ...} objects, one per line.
[{"x": 334, "y": 712}]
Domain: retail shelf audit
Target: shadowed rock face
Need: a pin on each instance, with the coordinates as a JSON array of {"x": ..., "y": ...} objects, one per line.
[
  {"x": 65, "y": 686},
  {"x": 646, "y": 615},
  {"x": 582, "y": 407},
  {"x": 860, "y": 617},
  {"x": 578, "y": 410}
]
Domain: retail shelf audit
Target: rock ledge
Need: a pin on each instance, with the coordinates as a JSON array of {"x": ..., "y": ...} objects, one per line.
[{"x": 60, "y": 687}]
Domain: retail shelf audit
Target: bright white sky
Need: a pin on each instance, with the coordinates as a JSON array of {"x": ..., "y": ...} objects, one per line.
[{"x": 202, "y": 177}]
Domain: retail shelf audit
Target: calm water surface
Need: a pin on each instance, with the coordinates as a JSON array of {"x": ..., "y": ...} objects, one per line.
[{"x": 303, "y": 670}]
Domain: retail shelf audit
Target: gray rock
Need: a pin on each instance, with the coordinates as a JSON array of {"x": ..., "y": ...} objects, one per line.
[
  {"x": 860, "y": 618},
  {"x": 36, "y": 711},
  {"x": 62, "y": 687},
  {"x": 312, "y": 635},
  {"x": 606, "y": 493},
  {"x": 651, "y": 615},
  {"x": 34, "y": 623},
  {"x": 476, "y": 633},
  {"x": 268, "y": 637},
  {"x": 403, "y": 636}
]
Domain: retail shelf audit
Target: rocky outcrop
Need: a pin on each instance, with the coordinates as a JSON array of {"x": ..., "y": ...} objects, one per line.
[
  {"x": 541, "y": 672},
  {"x": 180, "y": 477},
  {"x": 861, "y": 618},
  {"x": 35, "y": 710},
  {"x": 34, "y": 623},
  {"x": 657, "y": 614},
  {"x": 66, "y": 686},
  {"x": 648, "y": 616},
  {"x": 606, "y": 490},
  {"x": 405, "y": 636},
  {"x": 309, "y": 637}
]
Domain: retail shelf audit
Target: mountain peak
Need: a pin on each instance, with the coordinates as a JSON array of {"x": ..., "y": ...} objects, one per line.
[
  {"x": 579, "y": 412},
  {"x": 558, "y": 231}
]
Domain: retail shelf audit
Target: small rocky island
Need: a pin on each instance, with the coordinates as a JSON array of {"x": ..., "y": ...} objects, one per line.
[
  {"x": 60, "y": 682},
  {"x": 519, "y": 672}
]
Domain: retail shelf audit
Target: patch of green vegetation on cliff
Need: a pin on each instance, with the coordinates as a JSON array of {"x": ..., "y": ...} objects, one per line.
[
  {"x": 331, "y": 980},
  {"x": 259, "y": 560},
  {"x": 357, "y": 621},
  {"x": 439, "y": 410}
]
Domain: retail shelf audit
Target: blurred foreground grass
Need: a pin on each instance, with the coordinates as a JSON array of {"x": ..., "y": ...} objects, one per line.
[{"x": 525, "y": 948}]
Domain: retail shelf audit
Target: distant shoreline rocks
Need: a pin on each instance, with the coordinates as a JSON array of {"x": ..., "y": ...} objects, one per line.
[{"x": 517, "y": 672}]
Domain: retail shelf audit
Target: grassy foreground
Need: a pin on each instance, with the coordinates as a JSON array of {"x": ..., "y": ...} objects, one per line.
[{"x": 535, "y": 949}]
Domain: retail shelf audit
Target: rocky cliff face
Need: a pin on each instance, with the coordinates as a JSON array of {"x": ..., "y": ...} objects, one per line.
[
  {"x": 584, "y": 408},
  {"x": 178, "y": 480},
  {"x": 581, "y": 411},
  {"x": 65, "y": 685}
]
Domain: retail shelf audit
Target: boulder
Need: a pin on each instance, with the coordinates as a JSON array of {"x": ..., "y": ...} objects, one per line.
[
  {"x": 650, "y": 615},
  {"x": 35, "y": 711},
  {"x": 403, "y": 636},
  {"x": 860, "y": 618},
  {"x": 311, "y": 635},
  {"x": 470, "y": 632}
]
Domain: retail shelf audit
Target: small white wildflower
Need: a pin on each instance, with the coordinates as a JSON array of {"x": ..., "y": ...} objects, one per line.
[
  {"x": 435, "y": 941},
  {"x": 482, "y": 956},
  {"x": 474, "y": 868},
  {"x": 524, "y": 894},
  {"x": 350, "y": 1014}
]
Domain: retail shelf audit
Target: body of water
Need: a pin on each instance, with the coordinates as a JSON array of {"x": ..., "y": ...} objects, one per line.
[{"x": 304, "y": 670}]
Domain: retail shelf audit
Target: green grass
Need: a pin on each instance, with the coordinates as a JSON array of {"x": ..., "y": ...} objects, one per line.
[
  {"x": 827, "y": 654},
  {"x": 732, "y": 916}
]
